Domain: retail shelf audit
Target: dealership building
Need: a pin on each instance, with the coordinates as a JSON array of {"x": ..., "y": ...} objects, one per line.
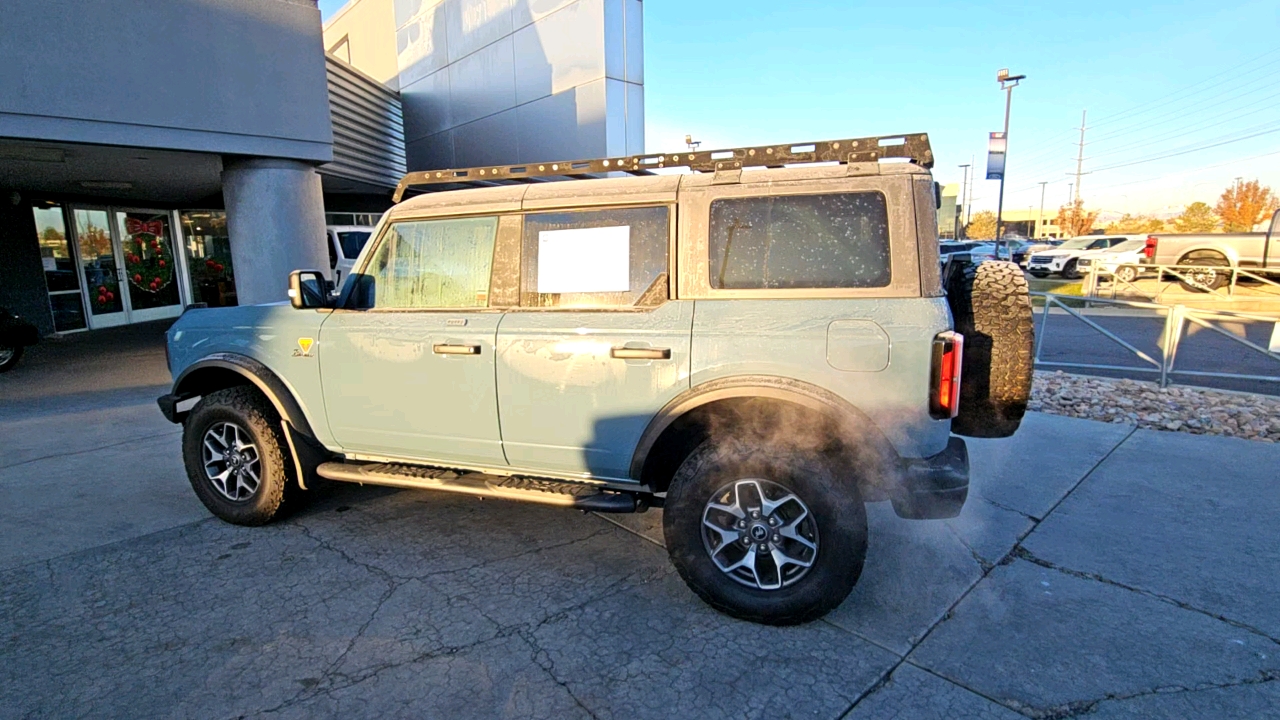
[{"x": 160, "y": 153}]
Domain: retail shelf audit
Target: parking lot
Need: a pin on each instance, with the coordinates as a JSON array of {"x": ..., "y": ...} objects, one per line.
[{"x": 1096, "y": 570}]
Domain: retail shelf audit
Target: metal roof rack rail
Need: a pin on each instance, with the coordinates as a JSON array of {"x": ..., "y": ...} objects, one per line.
[{"x": 914, "y": 148}]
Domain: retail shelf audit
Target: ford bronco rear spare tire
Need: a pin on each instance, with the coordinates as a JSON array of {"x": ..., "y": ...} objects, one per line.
[
  {"x": 762, "y": 533},
  {"x": 991, "y": 307}
]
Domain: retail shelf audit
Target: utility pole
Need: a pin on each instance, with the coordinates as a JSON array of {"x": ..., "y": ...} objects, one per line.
[
  {"x": 969, "y": 193},
  {"x": 1007, "y": 83},
  {"x": 964, "y": 203},
  {"x": 1040, "y": 217},
  {"x": 1080, "y": 155}
]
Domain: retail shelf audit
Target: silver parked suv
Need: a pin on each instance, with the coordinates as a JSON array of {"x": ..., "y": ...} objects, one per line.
[{"x": 759, "y": 346}]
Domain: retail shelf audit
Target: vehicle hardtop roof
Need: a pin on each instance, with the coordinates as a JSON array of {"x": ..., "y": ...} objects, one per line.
[{"x": 870, "y": 151}]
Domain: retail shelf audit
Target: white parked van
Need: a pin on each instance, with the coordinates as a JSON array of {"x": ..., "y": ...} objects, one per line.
[{"x": 345, "y": 243}]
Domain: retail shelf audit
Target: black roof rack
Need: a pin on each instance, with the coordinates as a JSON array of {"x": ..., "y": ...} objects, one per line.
[{"x": 914, "y": 148}]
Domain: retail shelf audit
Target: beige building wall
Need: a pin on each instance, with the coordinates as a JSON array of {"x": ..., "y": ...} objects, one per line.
[{"x": 362, "y": 34}]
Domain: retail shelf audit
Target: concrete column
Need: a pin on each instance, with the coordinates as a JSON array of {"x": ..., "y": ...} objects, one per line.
[{"x": 275, "y": 219}]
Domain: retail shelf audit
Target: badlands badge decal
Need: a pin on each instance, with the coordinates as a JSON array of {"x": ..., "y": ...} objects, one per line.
[{"x": 304, "y": 347}]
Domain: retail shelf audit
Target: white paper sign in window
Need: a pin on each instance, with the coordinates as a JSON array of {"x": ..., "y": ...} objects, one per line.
[{"x": 585, "y": 260}]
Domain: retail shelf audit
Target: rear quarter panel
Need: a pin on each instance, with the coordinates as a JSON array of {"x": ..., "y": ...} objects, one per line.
[{"x": 810, "y": 341}]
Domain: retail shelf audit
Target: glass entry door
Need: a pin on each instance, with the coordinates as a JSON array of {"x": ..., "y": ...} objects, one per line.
[
  {"x": 128, "y": 265},
  {"x": 100, "y": 268},
  {"x": 150, "y": 265}
]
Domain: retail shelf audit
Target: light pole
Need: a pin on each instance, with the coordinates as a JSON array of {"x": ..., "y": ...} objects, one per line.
[
  {"x": 1040, "y": 217},
  {"x": 1007, "y": 83},
  {"x": 964, "y": 199}
]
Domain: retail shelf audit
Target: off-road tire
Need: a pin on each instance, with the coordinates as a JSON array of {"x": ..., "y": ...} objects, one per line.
[
  {"x": 12, "y": 360},
  {"x": 249, "y": 410},
  {"x": 1070, "y": 270},
  {"x": 991, "y": 308},
  {"x": 836, "y": 506}
]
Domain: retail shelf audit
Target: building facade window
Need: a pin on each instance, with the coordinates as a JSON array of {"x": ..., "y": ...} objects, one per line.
[
  {"x": 60, "y": 273},
  {"x": 209, "y": 257}
]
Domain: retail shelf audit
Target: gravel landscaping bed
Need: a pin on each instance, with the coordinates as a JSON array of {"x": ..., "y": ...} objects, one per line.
[{"x": 1179, "y": 409}]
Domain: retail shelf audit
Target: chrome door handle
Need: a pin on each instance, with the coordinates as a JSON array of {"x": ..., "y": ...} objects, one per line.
[
  {"x": 626, "y": 353},
  {"x": 445, "y": 349}
]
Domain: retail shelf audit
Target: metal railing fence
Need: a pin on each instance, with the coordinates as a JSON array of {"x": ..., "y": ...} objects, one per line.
[{"x": 1177, "y": 318}]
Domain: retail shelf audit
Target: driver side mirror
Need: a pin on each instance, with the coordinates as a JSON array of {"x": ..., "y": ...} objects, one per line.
[{"x": 309, "y": 289}]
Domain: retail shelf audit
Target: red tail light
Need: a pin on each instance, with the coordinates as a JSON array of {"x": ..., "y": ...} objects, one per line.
[
  {"x": 1150, "y": 249},
  {"x": 944, "y": 383}
]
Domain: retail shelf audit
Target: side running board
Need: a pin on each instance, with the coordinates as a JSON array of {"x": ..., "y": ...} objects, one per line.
[{"x": 581, "y": 496}]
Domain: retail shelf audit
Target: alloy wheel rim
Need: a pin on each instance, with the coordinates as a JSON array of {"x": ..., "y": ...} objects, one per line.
[
  {"x": 232, "y": 462},
  {"x": 6, "y": 354},
  {"x": 760, "y": 534}
]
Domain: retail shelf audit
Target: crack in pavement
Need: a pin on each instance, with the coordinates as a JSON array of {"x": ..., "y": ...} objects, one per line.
[
  {"x": 1024, "y": 554},
  {"x": 1008, "y": 558},
  {"x": 1077, "y": 708},
  {"x": 89, "y": 450},
  {"x": 1016, "y": 511}
]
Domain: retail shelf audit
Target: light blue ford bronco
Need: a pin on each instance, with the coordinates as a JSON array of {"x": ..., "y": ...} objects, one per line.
[{"x": 759, "y": 345}]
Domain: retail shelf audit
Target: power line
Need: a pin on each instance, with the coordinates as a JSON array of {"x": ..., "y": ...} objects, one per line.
[
  {"x": 1188, "y": 150},
  {"x": 1155, "y": 103},
  {"x": 1188, "y": 171},
  {"x": 1190, "y": 130}
]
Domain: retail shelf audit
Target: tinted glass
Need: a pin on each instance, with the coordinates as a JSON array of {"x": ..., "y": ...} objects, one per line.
[
  {"x": 800, "y": 241},
  {"x": 209, "y": 249},
  {"x": 431, "y": 264},
  {"x": 596, "y": 258},
  {"x": 352, "y": 242},
  {"x": 55, "y": 253}
]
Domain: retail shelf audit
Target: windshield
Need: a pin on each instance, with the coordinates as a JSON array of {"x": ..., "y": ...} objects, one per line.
[{"x": 1079, "y": 243}]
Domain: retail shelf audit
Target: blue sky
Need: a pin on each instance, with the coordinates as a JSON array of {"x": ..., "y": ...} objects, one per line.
[{"x": 1156, "y": 78}]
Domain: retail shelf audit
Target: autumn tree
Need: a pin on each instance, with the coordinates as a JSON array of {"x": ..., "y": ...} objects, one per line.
[
  {"x": 1197, "y": 217},
  {"x": 1244, "y": 205},
  {"x": 1074, "y": 220},
  {"x": 982, "y": 226},
  {"x": 1135, "y": 224}
]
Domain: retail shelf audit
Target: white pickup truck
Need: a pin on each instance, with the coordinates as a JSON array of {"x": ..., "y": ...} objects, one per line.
[{"x": 1253, "y": 251}]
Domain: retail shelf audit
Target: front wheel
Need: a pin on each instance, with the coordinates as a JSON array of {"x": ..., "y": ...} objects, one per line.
[
  {"x": 233, "y": 447},
  {"x": 9, "y": 357},
  {"x": 764, "y": 534},
  {"x": 1070, "y": 271}
]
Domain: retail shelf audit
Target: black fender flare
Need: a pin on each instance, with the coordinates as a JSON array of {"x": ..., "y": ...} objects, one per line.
[
  {"x": 850, "y": 421},
  {"x": 187, "y": 385}
]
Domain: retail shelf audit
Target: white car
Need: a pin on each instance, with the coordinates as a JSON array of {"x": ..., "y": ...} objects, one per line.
[
  {"x": 1121, "y": 261},
  {"x": 345, "y": 243},
  {"x": 1064, "y": 259}
]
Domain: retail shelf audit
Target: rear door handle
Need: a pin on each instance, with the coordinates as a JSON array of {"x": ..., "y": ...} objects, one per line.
[
  {"x": 445, "y": 349},
  {"x": 626, "y": 353}
]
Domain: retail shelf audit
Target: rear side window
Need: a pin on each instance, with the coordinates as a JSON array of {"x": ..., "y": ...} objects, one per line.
[
  {"x": 430, "y": 264},
  {"x": 352, "y": 242},
  {"x": 800, "y": 241},
  {"x": 613, "y": 257}
]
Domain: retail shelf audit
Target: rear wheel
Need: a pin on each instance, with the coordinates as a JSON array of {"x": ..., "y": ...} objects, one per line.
[
  {"x": 233, "y": 448},
  {"x": 1206, "y": 277},
  {"x": 764, "y": 534},
  {"x": 1126, "y": 273},
  {"x": 9, "y": 357}
]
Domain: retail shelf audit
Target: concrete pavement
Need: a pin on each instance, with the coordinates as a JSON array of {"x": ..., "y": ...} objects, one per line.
[{"x": 1095, "y": 570}]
